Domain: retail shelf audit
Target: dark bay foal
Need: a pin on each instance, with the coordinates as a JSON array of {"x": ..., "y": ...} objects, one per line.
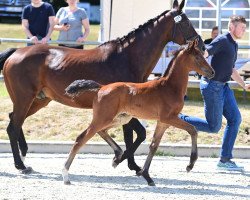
[{"x": 160, "y": 100}]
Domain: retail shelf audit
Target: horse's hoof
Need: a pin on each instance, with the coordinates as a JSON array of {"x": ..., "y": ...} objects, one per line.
[
  {"x": 27, "y": 170},
  {"x": 139, "y": 173},
  {"x": 188, "y": 168},
  {"x": 134, "y": 167},
  {"x": 67, "y": 183},
  {"x": 151, "y": 184}
]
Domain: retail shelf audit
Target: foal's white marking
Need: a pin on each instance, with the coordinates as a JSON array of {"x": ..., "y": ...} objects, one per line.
[
  {"x": 55, "y": 59},
  {"x": 65, "y": 175},
  {"x": 132, "y": 90}
]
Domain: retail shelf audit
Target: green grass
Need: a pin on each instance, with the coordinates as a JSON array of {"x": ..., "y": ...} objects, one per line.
[
  {"x": 16, "y": 31},
  {"x": 3, "y": 91}
]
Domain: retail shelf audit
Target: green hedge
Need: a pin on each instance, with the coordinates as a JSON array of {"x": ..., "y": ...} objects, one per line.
[{"x": 241, "y": 96}]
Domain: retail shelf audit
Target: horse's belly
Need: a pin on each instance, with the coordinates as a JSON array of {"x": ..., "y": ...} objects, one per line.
[{"x": 82, "y": 101}]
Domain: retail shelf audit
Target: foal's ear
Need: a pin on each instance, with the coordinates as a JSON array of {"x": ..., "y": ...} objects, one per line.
[
  {"x": 190, "y": 45},
  {"x": 196, "y": 42}
]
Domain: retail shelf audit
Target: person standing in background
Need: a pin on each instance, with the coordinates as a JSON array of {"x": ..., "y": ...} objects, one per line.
[
  {"x": 70, "y": 21},
  {"x": 38, "y": 21},
  {"x": 214, "y": 34}
]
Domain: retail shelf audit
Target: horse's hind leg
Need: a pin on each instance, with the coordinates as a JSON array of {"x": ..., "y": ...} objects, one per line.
[
  {"x": 36, "y": 105},
  {"x": 131, "y": 146},
  {"x": 22, "y": 142},
  {"x": 117, "y": 149},
  {"x": 14, "y": 130}
]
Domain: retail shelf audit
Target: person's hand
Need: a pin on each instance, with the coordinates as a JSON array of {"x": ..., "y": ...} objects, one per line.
[
  {"x": 34, "y": 39},
  {"x": 205, "y": 55},
  {"x": 45, "y": 40},
  {"x": 80, "y": 39},
  {"x": 247, "y": 87},
  {"x": 65, "y": 27}
]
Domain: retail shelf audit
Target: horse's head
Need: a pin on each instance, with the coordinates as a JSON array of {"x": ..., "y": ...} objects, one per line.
[
  {"x": 183, "y": 31},
  {"x": 196, "y": 62}
]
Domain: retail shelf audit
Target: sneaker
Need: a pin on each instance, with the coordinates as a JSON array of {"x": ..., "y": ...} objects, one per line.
[{"x": 229, "y": 166}]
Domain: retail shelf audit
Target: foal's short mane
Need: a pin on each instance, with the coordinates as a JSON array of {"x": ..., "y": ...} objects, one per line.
[
  {"x": 170, "y": 65},
  {"x": 140, "y": 27}
]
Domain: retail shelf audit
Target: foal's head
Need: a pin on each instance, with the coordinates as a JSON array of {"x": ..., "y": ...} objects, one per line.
[{"x": 194, "y": 60}]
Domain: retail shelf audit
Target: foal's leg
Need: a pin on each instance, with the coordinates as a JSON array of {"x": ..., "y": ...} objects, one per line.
[
  {"x": 131, "y": 147},
  {"x": 193, "y": 133},
  {"x": 159, "y": 131},
  {"x": 80, "y": 141}
]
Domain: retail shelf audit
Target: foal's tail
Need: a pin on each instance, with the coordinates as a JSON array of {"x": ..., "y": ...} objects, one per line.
[
  {"x": 4, "y": 55},
  {"x": 80, "y": 86}
]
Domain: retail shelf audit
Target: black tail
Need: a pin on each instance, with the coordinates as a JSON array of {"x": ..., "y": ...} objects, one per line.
[
  {"x": 80, "y": 86},
  {"x": 4, "y": 55}
]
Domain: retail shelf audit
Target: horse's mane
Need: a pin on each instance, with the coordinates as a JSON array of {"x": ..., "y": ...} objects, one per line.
[
  {"x": 170, "y": 67},
  {"x": 133, "y": 32}
]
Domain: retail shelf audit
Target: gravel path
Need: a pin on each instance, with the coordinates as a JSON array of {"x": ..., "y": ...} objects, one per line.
[{"x": 93, "y": 177}]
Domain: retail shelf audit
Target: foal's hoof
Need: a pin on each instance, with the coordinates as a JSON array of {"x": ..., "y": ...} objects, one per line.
[
  {"x": 67, "y": 183},
  {"x": 116, "y": 162},
  {"x": 27, "y": 170},
  {"x": 189, "y": 168}
]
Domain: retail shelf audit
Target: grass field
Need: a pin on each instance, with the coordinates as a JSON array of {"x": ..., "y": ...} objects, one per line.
[
  {"x": 59, "y": 122},
  {"x": 16, "y": 31}
]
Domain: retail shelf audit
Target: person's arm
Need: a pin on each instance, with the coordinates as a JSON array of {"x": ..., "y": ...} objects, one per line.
[
  {"x": 85, "y": 24},
  {"x": 236, "y": 76},
  {"x": 25, "y": 25},
  {"x": 51, "y": 27}
]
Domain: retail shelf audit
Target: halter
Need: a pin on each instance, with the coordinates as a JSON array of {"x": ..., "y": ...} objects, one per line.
[{"x": 183, "y": 23}]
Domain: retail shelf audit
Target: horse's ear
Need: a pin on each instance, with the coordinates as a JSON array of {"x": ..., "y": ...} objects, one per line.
[
  {"x": 175, "y": 4},
  {"x": 181, "y": 5}
]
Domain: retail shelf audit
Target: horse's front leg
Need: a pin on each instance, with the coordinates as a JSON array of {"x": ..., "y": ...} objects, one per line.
[
  {"x": 159, "y": 131},
  {"x": 117, "y": 149},
  {"x": 178, "y": 123}
]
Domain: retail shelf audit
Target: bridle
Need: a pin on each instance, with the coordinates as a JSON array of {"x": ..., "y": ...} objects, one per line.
[{"x": 183, "y": 23}]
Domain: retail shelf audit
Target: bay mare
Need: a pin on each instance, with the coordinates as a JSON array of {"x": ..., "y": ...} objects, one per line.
[
  {"x": 37, "y": 74},
  {"x": 162, "y": 100}
]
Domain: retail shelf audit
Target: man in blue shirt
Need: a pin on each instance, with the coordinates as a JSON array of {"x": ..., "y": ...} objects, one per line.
[
  {"x": 38, "y": 21},
  {"x": 219, "y": 99}
]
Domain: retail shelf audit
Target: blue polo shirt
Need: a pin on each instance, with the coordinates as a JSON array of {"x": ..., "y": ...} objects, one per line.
[
  {"x": 38, "y": 18},
  {"x": 224, "y": 50}
]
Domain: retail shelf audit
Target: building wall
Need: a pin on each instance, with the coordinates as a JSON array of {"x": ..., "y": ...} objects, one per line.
[{"x": 129, "y": 14}]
